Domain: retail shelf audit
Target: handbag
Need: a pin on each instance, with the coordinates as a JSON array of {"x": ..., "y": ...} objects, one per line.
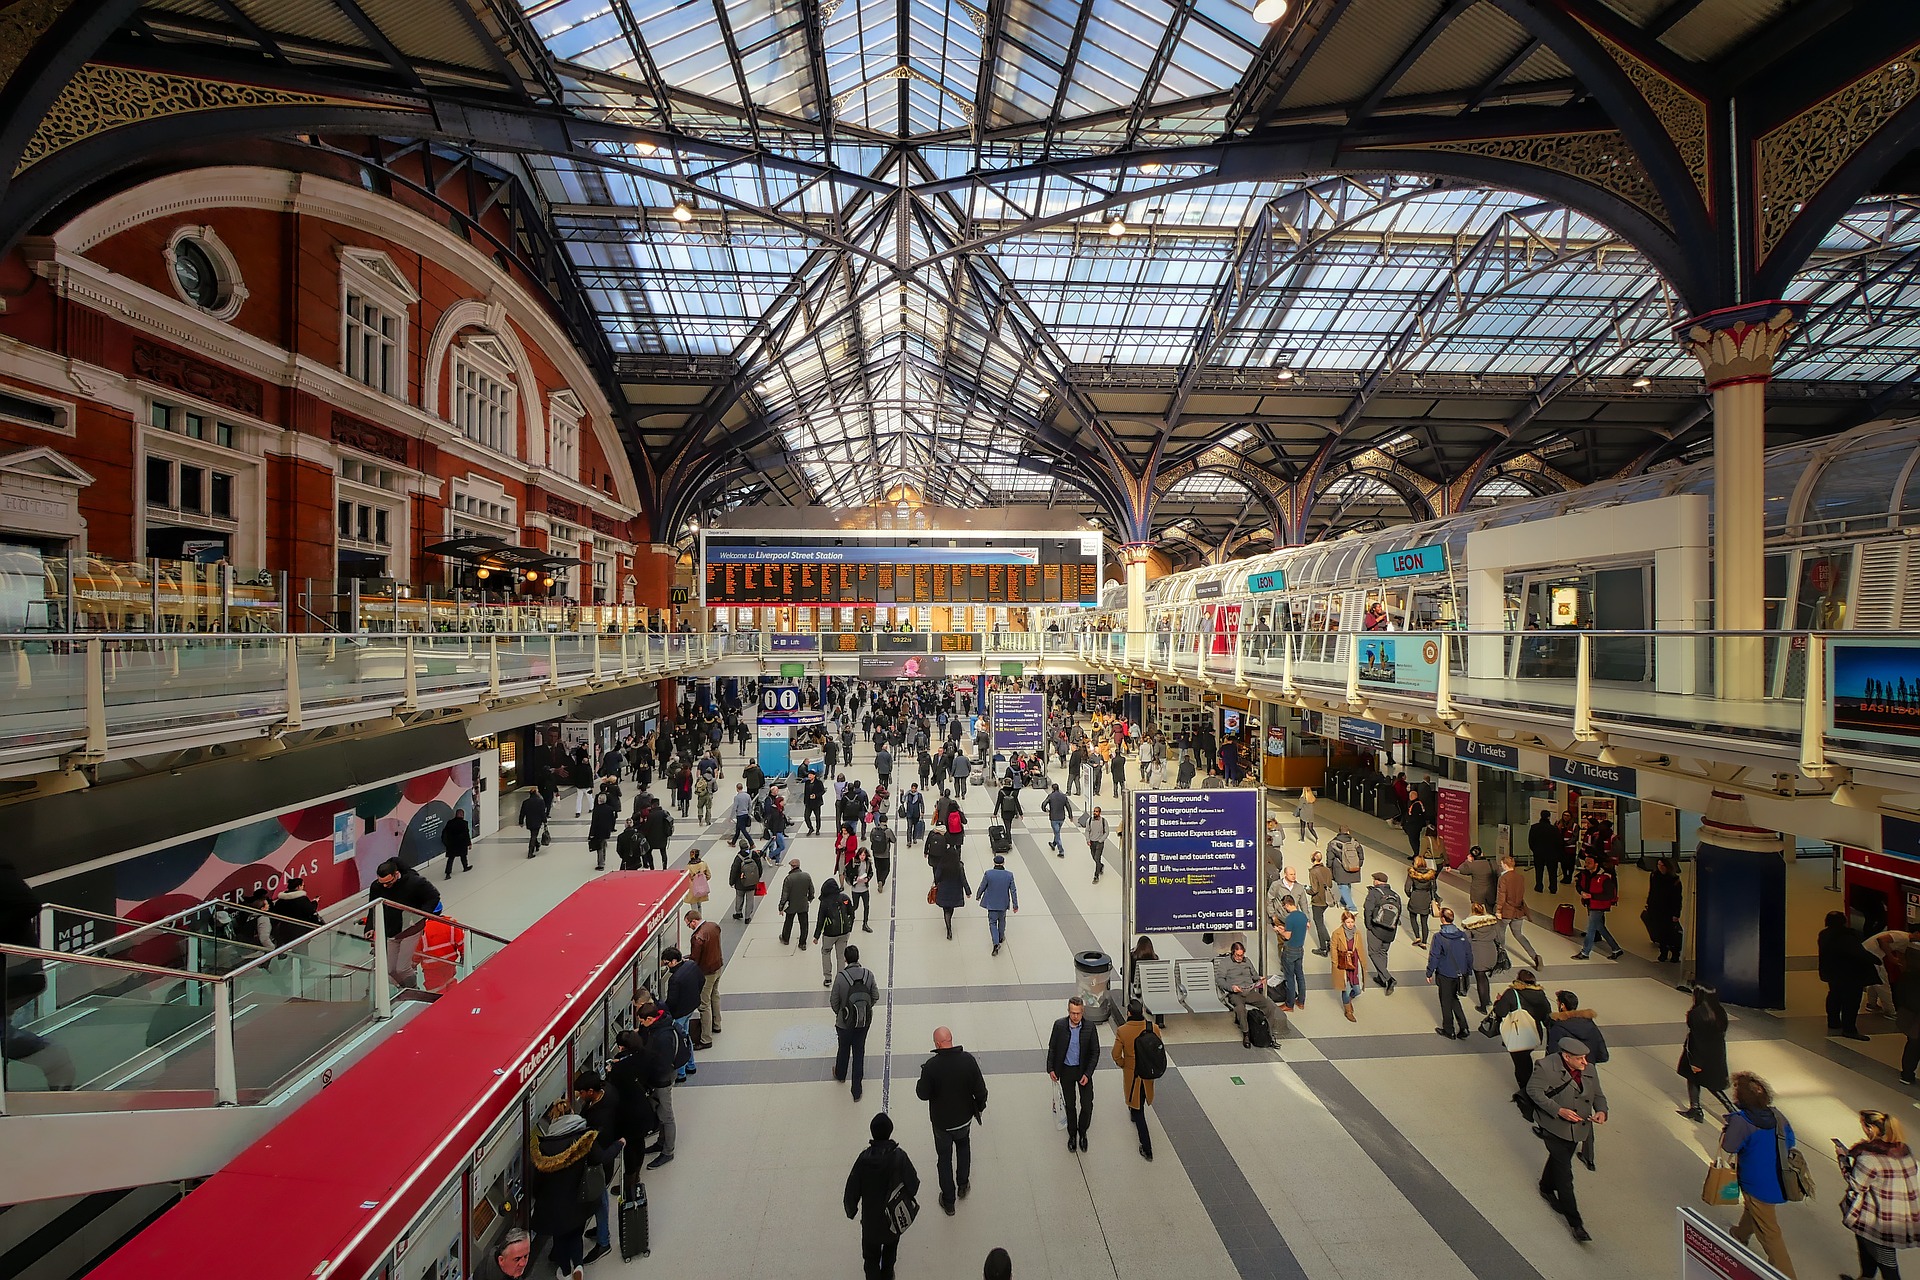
[
  {"x": 1796, "y": 1179},
  {"x": 1722, "y": 1187},
  {"x": 933, "y": 895},
  {"x": 1519, "y": 1032},
  {"x": 1490, "y": 1026},
  {"x": 760, "y": 889}
]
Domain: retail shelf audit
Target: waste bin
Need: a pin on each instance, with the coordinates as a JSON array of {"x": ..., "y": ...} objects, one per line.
[{"x": 1093, "y": 977}]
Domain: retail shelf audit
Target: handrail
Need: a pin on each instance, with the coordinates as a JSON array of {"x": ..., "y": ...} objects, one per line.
[
  {"x": 106, "y": 962},
  {"x": 435, "y": 915}
]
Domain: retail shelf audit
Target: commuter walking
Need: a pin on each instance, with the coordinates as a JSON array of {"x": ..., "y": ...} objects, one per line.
[
  {"x": 1510, "y": 895},
  {"x": 703, "y": 948},
  {"x": 1522, "y": 1035},
  {"x": 1349, "y": 964},
  {"x": 881, "y": 1177},
  {"x": 1567, "y": 1102},
  {"x": 1320, "y": 897},
  {"x": 880, "y": 850},
  {"x": 396, "y": 883},
  {"x": 832, "y": 928},
  {"x": 859, "y": 882},
  {"x": 1848, "y": 969},
  {"x": 699, "y": 880},
  {"x": 998, "y": 894},
  {"x": 1569, "y": 1019},
  {"x": 703, "y": 799},
  {"x": 1304, "y": 812},
  {"x": 950, "y": 888},
  {"x": 1881, "y": 1205},
  {"x": 1703, "y": 1058},
  {"x": 1073, "y": 1051},
  {"x": 1345, "y": 857},
  {"x": 1422, "y": 890},
  {"x": 956, "y": 1095},
  {"x": 1141, "y": 1056},
  {"x": 796, "y": 901},
  {"x": 1483, "y": 933},
  {"x": 1449, "y": 961},
  {"x": 1097, "y": 832},
  {"x": 456, "y": 838},
  {"x": 742, "y": 811},
  {"x": 606, "y": 816},
  {"x": 533, "y": 816},
  {"x": 1756, "y": 1135},
  {"x": 744, "y": 878},
  {"x": 854, "y": 997},
  {"x": 1599, "y": 890},
  {"x": 1482, "y": 875},
  {"x": 1384, "y": 911},
  {"x": 1058, "y": 810}
]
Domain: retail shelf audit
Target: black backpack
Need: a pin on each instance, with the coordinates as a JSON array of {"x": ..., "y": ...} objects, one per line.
[
  {"x": 1149, "y": 1055},
  {"x": 836, "y": 917}
]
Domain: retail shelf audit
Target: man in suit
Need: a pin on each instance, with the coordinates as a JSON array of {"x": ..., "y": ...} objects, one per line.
[{"x": 1073, "y": 1051}]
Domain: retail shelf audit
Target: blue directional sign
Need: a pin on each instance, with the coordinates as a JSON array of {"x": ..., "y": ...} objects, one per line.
[
  {"x": 1271, "y": 580},
  {"x": 1412, "y": 562},
  {"x": 1195, "y": 859},
  {"x": 1019, "y": 721},
  {"x": 1591, "y": 775}
]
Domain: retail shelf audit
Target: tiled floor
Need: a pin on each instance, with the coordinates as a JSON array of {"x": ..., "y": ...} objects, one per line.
[{"x": 1359, "y": 1149}]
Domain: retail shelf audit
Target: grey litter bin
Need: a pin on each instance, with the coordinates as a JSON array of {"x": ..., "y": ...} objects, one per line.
[{"x": 1093, "y": 977}]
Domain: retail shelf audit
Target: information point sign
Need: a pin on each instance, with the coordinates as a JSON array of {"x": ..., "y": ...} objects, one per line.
[{"x": 1196, "y": 859}]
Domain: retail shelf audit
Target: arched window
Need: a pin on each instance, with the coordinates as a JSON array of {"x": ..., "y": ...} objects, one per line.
[{"x": 482, "y": 404}]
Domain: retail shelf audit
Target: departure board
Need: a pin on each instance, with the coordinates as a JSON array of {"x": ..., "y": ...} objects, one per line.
[{"x": 746, "y": 569}]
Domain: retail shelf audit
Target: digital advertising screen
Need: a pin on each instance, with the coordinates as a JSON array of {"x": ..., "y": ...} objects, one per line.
[{"x": 901, "y": 666}]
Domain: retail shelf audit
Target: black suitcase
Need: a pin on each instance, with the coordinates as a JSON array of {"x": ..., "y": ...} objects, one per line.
[
  {"x": 633, "y": 1226},
  {"x": 1259, "y": 1030},
  {"x": 999, "y": 839}
]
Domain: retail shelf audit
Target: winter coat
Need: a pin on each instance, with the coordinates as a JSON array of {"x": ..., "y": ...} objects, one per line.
[
  {"x": 558, "y": 1156},
  {"x": 1484, "y": 933},
  {"x": 1337, "y": 863},
  {"x": 684, "y": 985},
  {"x": 952, "y": 1087},
  {"x": 1844, "y": 962},
  {"x": 1482, "y": 875},
  {"x": 1520, "y": 995},
  {"x": 1319, "y": 885},
  {"x": 1139, "y": 1092},
  {"x": 1349, "y": 953},
  {"x": 1511, "y": 893},
  {"x": 1752, "y": 1138},
  {"x": 1663, "y": 896},
  {"x": 875, "y": 1172},
  {"x": 1420, "y": 890},
  {"x": 1882, "y": 1200},
  {"x": 606, "y": 814},
  {"x": 796, "y": 892},
  {"x": 746, "y": 870},
  {"x": 1377, "y": 894},
  {"x": 1703, "y": 1058},
  {"x": 1579, "y": 1024},
  {"x": 1553, "y": 1087},
  {"x": 456, "y": 837},
  {"x": 1450, "y": 953},
  {"x": 950, "y": 886}
]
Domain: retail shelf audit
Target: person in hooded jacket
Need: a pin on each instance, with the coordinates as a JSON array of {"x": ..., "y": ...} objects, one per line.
[
  {"x": 1450, "y": 960},
  {"x": 1569, "y": 1019},
  {"x": 558, "y": 1155},
  {"x": 1753, "y": 1138},
  {"x": 1483, "y": 931},
  {"x": 950, "y": 888},
  {"x": 1662, "y": 913},
  {"x": 876, "y": 1172},
  {"x": 1422, "y": 887},
  {"x": 1703, "y": 1058}
]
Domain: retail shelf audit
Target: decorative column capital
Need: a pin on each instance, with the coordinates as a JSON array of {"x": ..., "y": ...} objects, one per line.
[
  {"x": 1738, "y": 344},
  {"x": 1136, "y": 552}
]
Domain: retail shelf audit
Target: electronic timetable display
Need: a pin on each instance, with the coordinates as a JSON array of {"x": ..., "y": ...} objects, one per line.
[{"x": 829, "y": 570}]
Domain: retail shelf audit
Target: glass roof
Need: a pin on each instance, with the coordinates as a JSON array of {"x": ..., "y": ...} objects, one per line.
[{"x": 891, "y": 327}]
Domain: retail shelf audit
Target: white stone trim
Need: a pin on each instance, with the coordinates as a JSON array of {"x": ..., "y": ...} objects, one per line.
[
  {"x": 233, "y": 290},
  {"x": 491, "y": 317}
]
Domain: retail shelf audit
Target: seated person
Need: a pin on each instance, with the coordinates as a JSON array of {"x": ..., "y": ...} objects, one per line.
[{"x": 1240, "y": 986}]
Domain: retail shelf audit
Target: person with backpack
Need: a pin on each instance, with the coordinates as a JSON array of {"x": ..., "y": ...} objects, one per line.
[
  {"x": 1383, "y": 912},
  {"x": 1761, "y": 1142},
  {"x": 1345, "y": 857},
  {"x": 881, "y": 1188},
  {"x": 1233, "y": 973},
  {"x": 630, "y": 847},
  {"x": 703, "y": 796},
  {"x": 1319, "y": 898},
  {"x": 1450, "y": 959},
  {"x": 853, "y": 999},
  {"x": 1141, "y": 1056},
  {"x": 657, "y": 1044},
  {"x": 533, "y": 816},
  {"x": 880, "y": 851},
  {"x": 832, "y": 928},
  {"x": 703, "y": 948},
  {"x": 743, "y": 877},
  {"x": 456, "y": 838},
  {"x": 685, "y": 982},
  {"x": 998, "y": 894}
]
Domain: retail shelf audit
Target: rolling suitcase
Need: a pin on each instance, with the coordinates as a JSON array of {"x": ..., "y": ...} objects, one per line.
[
  {"x": 633, "y": 1226},
  {"x": 1563, "y": 919},
  {"x": 999, "y": 839}
]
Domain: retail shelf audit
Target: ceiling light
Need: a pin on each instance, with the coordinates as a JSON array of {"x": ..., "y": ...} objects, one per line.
[
  {"x": 1269, "y": 11},
  {"x": 1116, "y": 226},
  {"x": 644, "y": 147},
  {"x": 482, "y": 573},
  {"x": 1642, "y": 382},
  {"x": 1283, "y": 374},
  {"x": 682, "y": 211}
]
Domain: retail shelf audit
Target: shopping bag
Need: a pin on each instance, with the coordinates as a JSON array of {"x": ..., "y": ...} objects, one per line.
[
  {"x": 1722, "y": 1187},
  {"x": 1059, "y": 1108}
]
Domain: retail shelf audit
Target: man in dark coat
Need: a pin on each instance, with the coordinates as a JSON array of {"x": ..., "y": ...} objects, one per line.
[
  {"x": 876, "y": 1171},
  {"x": 1549, "y": 853},
  {"x": 1848, "y": 970},
  {"x": 533, "y": 816},
  {"x": 1073, "y": 1051},
  {"x": 456, "y": 838},
  {"x": 955, "y": 1092}
]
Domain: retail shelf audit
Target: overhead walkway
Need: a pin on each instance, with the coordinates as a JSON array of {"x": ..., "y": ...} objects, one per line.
[
  {"x": 1626, "y": 698},
  {"x": 176, "y": 1044}
]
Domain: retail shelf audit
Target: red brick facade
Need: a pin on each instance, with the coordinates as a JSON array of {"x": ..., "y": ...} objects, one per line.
[{"x": 225, "y": 420}]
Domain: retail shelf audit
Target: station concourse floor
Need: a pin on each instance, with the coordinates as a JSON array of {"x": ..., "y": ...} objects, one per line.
[{"x": 1356, "y": 1150}]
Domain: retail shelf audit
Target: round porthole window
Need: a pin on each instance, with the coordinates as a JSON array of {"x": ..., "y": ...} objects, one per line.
[
  {"x": 194, "y": 271},
  {"x": 204, "y": 272}
]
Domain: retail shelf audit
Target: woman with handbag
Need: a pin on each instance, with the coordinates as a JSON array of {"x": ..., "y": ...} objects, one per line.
[
  {"x": 1881, "y": 1205},
  {"x": 1756, "y": 1135},
  {"x": 1524, "y": 997},
  {"x": 1421, "y": 891},
  {"x": 1703, "y": 1058}
]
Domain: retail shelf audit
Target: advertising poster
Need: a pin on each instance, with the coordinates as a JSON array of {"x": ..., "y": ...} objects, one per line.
[
  {"x": 1708, "y": 1252},
  {"x": 903, "y": 666},
  {"x": 1399, "y": 661},
  {"x": 400, "y": 819},
  {"x": 1019, "y": 721},
  {"x": 775, "y": 748},
  {"x": 1453, "y": 819},
  {"x": 1195, "y": 863},
  {"x": 1876, "y": 690}
]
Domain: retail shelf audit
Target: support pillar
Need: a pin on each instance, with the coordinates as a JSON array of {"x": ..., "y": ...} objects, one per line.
[
  {"x": 1736, "y": 349},
  {"x": 1134, "y": 558}
]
